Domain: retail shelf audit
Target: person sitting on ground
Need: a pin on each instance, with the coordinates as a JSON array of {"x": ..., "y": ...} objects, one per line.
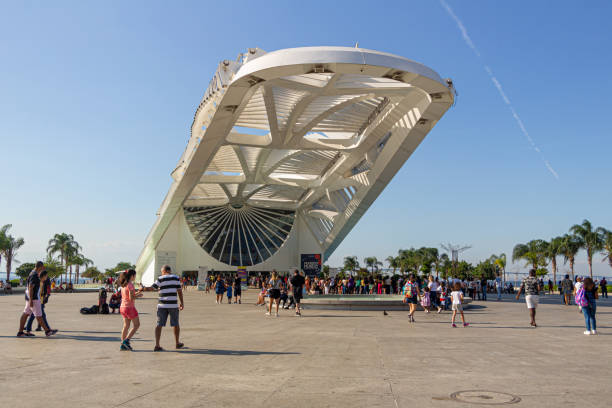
[
  {"x": 115, "y": 300},
  {"x": 8, "y": 288},
  {"x": 261, "y": 298},
  {"x": 284, "y": 297},
  {"x": 102, "y": 293}
]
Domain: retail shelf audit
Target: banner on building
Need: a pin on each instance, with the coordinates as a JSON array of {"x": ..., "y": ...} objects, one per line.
[
  {"x": 202, "y": 274},
  {"x": 311, "y": 264},
  {"x": 242, "y": 274}
]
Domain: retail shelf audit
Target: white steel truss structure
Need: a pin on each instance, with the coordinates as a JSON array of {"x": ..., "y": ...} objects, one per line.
[{"x": 306, "y": 134}]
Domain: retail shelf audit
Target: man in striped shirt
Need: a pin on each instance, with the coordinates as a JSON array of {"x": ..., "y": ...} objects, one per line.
[{"x": 169, "y": 304}]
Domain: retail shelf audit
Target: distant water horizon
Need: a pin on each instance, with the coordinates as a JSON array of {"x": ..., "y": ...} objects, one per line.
[{"x": 15, "y": 276}]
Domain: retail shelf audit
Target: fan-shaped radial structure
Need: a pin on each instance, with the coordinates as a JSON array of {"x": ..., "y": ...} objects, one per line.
[
  {"x": 287, "y": 151},
  {"x": 239, "y": 235}
]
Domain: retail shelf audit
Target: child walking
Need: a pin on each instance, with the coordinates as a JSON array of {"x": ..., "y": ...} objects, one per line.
[
  {"x": 229, "y": 285},
  {"x": 128, "y": 309},
  {"x": 443, "y": 295},
  {"x": 457, "y": 299},
  {"x": 426, "y": 300},
  {"x": 411, "y": 296}
]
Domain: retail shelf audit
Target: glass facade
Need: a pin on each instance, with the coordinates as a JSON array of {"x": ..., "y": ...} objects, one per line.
[{"x": 239, "y": 235}]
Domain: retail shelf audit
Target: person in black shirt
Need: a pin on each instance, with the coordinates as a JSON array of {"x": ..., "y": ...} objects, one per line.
[
  {"x": 297, "y": 284},
  {"x": 483, "y": 287},
  {"x": 33, "y": 304},
  {"x": 237, "y": 290},
  {"x": 45, "y": 292}
]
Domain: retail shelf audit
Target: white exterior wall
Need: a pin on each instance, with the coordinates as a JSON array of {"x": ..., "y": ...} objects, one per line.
[{"x": 190, "y": 256}]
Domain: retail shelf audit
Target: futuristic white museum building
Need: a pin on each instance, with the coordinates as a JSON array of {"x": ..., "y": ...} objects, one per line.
[{"x": 288, "y": 149}]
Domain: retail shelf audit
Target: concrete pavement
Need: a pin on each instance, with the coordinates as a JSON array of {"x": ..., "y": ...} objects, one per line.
[{"x": 237, "y": 357}]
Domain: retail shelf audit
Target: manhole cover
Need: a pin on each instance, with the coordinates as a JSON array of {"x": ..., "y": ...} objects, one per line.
[{"x": 485, "y": 397}]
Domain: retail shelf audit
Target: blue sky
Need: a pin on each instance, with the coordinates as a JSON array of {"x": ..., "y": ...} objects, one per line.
[{"x": 96, "y": 101}]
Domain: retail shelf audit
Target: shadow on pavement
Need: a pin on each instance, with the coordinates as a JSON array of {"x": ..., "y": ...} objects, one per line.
[
  {"x": 219, "y": 352},
  {"x": 89, "y": 332}
]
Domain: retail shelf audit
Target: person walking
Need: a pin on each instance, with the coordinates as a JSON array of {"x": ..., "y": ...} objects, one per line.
[
  {"x": 274, "y": 285},
  {"x": 443, "y": 295},
  {"x": 550, "y": 286},
  {"x": 219, "y": 289},
  {"x": 434, "y": 287},
  {"x": 229, "y": 285},
  {"x": 238, "y": 290},
  {"x": 577, "y": 286},
  {"x": 457, "y": 305},
  {"x": 33, "y": 304},
  {"x": 411, "y": 296},
  {"x": 567, "y": 288},
  {"x": 128, "y": 308},
  {"x": 170, "y": 303},
  {"x": 45, "y": 292},
  {"x": 498, "y": 287},
  {"x": 484, "y": 285},
  {"x": 586, "y": 297},
  {"x": 531, "y": 287},
  {"x": 297, "y": 286},
  {"x": 603, "y": 283},
  {"x": 426, "y": 299}
]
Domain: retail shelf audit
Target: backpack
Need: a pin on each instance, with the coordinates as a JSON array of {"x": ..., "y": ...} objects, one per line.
[
  {"x": 580, "y": 298},
  {"x": 411, "y": 290}
]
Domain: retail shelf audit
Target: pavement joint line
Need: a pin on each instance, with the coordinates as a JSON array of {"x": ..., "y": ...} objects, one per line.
[
  {"x": 146, "y": 393},
  {"x": 387, "y": 374}
]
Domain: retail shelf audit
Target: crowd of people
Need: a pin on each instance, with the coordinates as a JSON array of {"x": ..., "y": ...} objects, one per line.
[{"x": 286, "y": 291}]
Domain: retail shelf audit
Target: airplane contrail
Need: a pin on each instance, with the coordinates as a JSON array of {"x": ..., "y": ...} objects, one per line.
[{"x": 497, "y": 84}]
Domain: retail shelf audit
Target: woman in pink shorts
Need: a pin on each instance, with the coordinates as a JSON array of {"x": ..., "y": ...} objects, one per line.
[{"x": 127, "y": 309}]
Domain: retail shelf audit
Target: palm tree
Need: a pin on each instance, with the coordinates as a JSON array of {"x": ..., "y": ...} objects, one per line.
[
  {"x": 592, "y": 241},
  {"x": 78, "y": 260},
  {"x": 438, "y": 261},
  {"x": 394, "y": 262},
  {"x": 85, "y": 262},
  {"x": 606, "y": 236},
  {"x": 429, "y": 257},
  {"x": 9, "y": 245},
  {"x": 405, "y": 259},
  {"x": 554, "y": 249},
  {"x": 3, "y": 232},
  {"x": 372, "y": 262},
  {"x": 351, "y": 263},
  {"x": 534, "y": 252},
  {"x": 65, "y": 245},
  {"x": 570, "y": 248},
  {"x": 500, "y": 262},
  {"x": 443, "y": 263}
]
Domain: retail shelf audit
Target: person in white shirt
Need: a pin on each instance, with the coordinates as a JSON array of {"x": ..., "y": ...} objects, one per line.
[
  {"x": 457, "y": 304},
  {"x": 498, "y": 287},
  {"x": 579, "y": 284},
  {"x": 434, "y": 288}
]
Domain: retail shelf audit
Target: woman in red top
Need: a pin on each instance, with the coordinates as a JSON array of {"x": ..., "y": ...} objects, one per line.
[{"x": 128, "y": 309}]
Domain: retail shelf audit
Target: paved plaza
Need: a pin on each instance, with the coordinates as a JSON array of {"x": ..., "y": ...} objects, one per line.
[{"x": 237, "y": 357}]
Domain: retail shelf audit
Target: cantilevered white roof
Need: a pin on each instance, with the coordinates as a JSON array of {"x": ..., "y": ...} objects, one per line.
[{"x": 312, "y": 132}]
